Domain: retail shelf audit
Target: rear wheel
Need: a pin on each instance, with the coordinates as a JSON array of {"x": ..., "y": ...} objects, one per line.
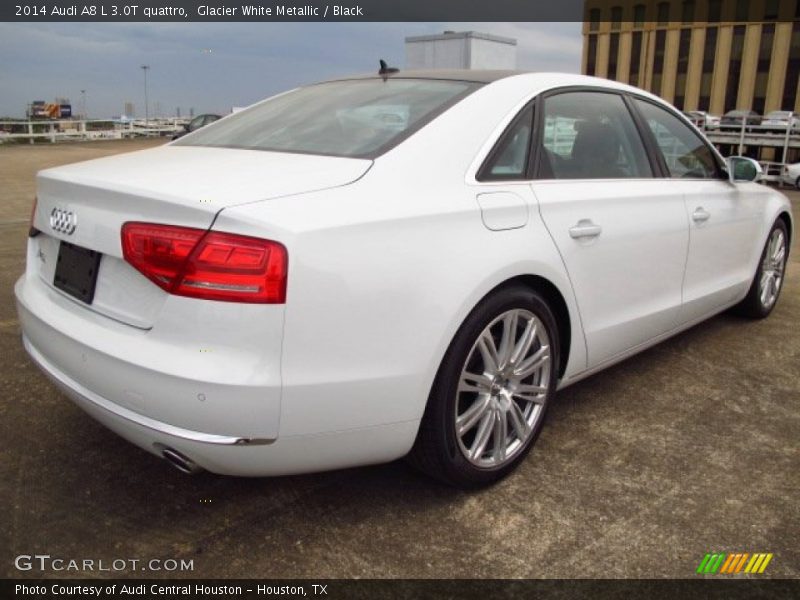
[
  {"x": 492, "y": 391},
  {"x": 768, "y": 280}
]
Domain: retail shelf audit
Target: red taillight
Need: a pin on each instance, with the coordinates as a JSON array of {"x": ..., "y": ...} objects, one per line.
[{"x": 210, "y": 265}]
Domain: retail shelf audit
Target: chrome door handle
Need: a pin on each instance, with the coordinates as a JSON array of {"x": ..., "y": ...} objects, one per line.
[
  {"x": 584, "y": 229},
  {"x": 700, "y": 215}
]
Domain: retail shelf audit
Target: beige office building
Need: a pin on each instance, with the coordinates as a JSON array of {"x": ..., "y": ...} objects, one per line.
[{"x": 712, "y": 55}]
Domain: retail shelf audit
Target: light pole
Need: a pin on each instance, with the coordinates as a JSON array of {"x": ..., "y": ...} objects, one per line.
[
  {"x": 145, "y": 68},
  {"x": 83, "y": 104}
]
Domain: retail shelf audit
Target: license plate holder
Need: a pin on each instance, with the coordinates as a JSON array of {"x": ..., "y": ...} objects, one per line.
[{"x": 76, "y": 271}]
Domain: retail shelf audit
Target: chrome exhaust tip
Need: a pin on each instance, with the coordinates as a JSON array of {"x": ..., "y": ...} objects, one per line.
[{"x": 183, "y": 463}]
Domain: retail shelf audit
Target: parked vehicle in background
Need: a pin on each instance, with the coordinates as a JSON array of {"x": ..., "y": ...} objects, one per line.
[
  {"x": 405, "y": 263},
  {"x": 196, "y": 123},
  {"x": 733, "y": 119},
  {"x": 791, "y": 175},
  {"x": 780, "y": 120},
  {"x": 706, "y": 120},
  {"x": 696, "y": 120}
]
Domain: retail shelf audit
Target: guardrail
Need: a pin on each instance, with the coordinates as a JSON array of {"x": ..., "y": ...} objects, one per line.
[{"x": 90, "y": 129}]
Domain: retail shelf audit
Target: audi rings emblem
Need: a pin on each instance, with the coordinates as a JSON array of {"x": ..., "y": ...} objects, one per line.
[{"x": 63, "y": 221}]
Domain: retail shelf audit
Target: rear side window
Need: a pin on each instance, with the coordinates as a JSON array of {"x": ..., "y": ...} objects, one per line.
[
  {"x": 685, "y": 153},
  {"x": 590, "y": 135},
  {"x": 358, "y": 118},
  {"x": 509, "y": 159}
]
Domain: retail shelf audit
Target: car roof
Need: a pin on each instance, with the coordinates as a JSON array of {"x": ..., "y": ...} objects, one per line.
[
  {"x": 536, "y": 81},
  {"x": 541, "y": 80},
  {"x": 469, "y": 75}
]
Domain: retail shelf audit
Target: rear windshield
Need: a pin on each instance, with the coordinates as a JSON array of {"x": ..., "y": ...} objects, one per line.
[{"x": 360, "y": 118}]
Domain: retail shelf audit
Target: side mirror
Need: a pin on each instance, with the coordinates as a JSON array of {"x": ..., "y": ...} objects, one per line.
[{"x": 742, "y": 169}]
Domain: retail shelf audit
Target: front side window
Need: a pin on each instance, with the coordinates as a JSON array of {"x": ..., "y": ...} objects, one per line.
[
  {"x": 359, "y": 118},
  {"x": 590, "y": 135},
  {"x": 685, "y": 153},
  {"x": 509, "y": 159}
]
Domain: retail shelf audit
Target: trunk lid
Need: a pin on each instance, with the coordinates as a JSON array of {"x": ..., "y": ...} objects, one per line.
[{"x": 177, "y": 185}]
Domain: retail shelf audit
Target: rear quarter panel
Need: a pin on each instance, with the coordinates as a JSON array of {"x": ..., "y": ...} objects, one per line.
[{"x": 381, "y": 275}]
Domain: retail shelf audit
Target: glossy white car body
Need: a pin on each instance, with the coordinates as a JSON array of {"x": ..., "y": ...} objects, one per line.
[{"x": 386, "y": 259}]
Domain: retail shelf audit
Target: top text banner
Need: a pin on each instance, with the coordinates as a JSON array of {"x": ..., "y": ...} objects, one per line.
[{"x": 308, "y": 10}]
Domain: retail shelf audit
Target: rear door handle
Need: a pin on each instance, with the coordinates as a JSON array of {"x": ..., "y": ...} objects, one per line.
[
  {"x": 584, "y": 229},
  {"x": 700, "y": 215}
]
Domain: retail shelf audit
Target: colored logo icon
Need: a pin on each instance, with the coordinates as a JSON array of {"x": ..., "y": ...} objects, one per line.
[{"x": 735, "y": 562}]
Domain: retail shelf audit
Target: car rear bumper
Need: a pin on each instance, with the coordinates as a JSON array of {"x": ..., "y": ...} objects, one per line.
[
  {"x": 94, "y": 361},
  {"x": 241, "y": 456},
  {"x": 93, "y": 403}
]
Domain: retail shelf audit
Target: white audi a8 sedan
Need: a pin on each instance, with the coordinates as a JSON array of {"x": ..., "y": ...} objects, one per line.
[{"x": 406, "y": 264}]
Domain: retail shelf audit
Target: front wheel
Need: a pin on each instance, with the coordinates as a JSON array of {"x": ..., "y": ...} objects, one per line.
[
  {"x": 768, "y": 280},
  {"x": 492, "y": 391}
]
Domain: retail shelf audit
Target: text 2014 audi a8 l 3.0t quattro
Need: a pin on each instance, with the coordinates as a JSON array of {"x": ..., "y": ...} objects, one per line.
[{"x": 406, "y": 263}]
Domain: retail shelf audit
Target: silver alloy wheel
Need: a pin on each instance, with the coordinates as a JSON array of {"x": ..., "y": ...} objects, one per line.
[
  {"x": 502, "y": 389},
  {"x": 772, "y": 269}
]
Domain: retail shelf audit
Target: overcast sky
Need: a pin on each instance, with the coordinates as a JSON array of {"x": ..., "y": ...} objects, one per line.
[{"x": 214, "y": 66}]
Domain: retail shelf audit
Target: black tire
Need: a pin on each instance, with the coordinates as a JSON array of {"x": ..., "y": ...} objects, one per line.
[
  {"x": 752, "y": 306},
  {"x": 436, "y": 450}
]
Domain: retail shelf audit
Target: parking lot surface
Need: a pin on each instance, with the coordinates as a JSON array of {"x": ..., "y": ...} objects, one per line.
[{"x": 688, "y": 448}]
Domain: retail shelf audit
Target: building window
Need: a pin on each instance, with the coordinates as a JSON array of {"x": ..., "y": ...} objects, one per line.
[
  {"x": 770, "y": 10},
  {"x": 792, "y": 70},
  {"x": 714, "y": 11},
  {"x": 687, "y": 12},
  {"x": 663, "y": 13},
  {"x": 658, "y": 60},
  {"x": 591, "y": 55},
  {"x": 616, "y": 17},
  {"x": 638, "y": 15},
  {"x": 762, "y": 71},
  {"x": 709, "y": 54},
  {"x": 742, "y": 10},
  {"x": 683, "y": 67},
  {"x": 613, "y": 55},
  {"x": 735, "y": 68},
  {"x": 636, "y": 57},
  {"x": 594, "y": 19}
]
